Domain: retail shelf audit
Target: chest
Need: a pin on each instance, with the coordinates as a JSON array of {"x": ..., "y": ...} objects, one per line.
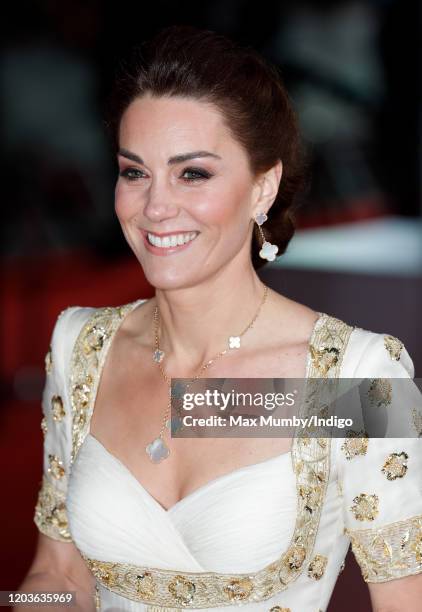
[{"x": 131, "y": 408}]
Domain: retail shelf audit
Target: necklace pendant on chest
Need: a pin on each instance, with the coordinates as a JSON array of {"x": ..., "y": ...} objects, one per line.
[
  {"x": 234, "y": 342},
  {"x": 158, "y": 355},
  {"x": 157, "y": 450}
]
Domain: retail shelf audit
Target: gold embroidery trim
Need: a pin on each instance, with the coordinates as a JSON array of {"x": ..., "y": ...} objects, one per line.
[
  {"x": 311, "y": 464},
  {"x": 88, "y": 357},
  {"x": 97, "y": 597},
  {"x": 390, "y": 552},
  {"x": 161, "y": 609},
  {"x": 50, "y": 512}
]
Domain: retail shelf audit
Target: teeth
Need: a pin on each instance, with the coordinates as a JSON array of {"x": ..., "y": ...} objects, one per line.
[{"x": 171, "y": 241}]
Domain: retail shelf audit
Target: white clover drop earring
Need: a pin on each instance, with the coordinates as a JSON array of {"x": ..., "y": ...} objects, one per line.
[{"x": 268, "y": 251}]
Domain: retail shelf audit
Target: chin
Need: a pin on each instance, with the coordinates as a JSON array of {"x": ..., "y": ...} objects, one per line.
[
  {"x": 181, "y": 272},
  {"x": 167, "y": 280}
]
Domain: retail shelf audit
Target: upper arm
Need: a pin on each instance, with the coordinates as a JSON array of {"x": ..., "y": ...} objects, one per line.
[
  {"x": 397, "y": 595},
  {"x": 381, "y": 479}
]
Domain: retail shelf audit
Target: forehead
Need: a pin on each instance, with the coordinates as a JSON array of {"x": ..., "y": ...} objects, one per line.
[{"x": 175, "y": 123}]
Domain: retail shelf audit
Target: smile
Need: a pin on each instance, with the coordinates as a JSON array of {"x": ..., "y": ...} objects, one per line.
[
  {"x": 165, "y": 244},
  {"x": 173, "y": 240}
]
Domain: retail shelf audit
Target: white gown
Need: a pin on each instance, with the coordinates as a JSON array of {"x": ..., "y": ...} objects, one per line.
[{"x": 270, "y": 536}]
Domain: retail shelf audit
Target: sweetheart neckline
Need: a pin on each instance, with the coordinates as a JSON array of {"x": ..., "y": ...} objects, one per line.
[
  {"x": 198, "y": 490},
  {"x": 101, "y": 364}
]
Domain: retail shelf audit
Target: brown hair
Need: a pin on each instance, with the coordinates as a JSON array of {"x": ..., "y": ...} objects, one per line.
[{"x": 200, "y": 64}]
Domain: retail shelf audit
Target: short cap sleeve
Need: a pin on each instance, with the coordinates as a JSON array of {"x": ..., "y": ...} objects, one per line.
[
  {"x": 381, "y": 478},
  {"x": 56, "y": 424}
]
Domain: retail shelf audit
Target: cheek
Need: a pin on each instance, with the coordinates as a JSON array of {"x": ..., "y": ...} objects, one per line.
[
  {"x": 224, "y": 201},
  {"x": 124, "y": 203},
  {"x": 226, "y": 206}
]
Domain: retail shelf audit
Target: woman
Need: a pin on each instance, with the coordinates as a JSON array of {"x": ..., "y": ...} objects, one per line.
[{"x": 209, "y": 166}]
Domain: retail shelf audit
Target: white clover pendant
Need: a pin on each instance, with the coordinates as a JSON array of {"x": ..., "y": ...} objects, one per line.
[
  {"x": 157, "y": 450},
  {"x": 260, "y": 218},
  {"x": 234, "y": 342},
  {"x": 268, "y": 251},
  {"x": 157, "y": 355}
]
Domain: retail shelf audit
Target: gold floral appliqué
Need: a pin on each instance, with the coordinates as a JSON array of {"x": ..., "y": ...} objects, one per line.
[
  {"x": 393, "y": 346},
  {"x": 380, "y": 392},
  {"x": 365, "y": 507},
  {"x": 57, "y": 408},
  {"x": 395, "y": 465},
  {"x": 55, "y": 468},
  {"x": 355, "y": 444},
  {"x": 94, "y": 339},
  {"x": 324, "y": 358},
  {"x": 317, "y": 567}
]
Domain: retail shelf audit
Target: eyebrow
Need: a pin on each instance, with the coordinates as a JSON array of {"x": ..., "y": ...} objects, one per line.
[{"x": 176, "y": 159}]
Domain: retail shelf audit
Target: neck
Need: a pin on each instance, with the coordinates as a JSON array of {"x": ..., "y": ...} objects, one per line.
[{"x": 195, "y": 322}]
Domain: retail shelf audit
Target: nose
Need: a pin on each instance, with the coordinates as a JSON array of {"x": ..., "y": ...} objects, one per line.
[{"x": 161, "y": 202}]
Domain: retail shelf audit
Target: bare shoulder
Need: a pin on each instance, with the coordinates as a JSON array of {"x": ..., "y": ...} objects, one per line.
[
  {"x": 137, "y": 324},
  {"x": 293, "y": 320}
]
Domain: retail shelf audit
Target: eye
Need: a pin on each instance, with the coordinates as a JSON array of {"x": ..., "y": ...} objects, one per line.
[
  {"x": 195, "y": 174},
  {"x": 131, "y": 174}
]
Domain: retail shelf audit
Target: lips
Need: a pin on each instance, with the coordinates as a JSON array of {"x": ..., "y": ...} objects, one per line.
[{"x": 168, "y": 242}]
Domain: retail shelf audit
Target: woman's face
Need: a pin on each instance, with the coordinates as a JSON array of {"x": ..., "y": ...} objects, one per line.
[{"x": 185, "y": 193}]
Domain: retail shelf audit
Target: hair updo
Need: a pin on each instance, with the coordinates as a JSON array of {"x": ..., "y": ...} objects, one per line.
[{"x": 200, "y": 64}]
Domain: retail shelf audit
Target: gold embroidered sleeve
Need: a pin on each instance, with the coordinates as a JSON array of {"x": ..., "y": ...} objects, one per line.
[
  {"x": 50, "y": 511},
  {"x": 390, "y": 552},
  {"x": 381, "y": 477}
]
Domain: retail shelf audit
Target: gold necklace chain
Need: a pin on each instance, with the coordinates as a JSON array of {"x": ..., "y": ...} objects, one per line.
[{"x": 157, "y": 448}]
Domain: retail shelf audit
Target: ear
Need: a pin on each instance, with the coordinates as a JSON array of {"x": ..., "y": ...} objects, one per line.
[{"x": 266, "y": 188}]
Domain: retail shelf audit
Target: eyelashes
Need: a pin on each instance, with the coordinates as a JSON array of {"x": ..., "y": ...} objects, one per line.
[
  {"x": 131, "y": 174},
  {"x": 189, "y": 175},
  {"x": 199, "y": 173}
]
